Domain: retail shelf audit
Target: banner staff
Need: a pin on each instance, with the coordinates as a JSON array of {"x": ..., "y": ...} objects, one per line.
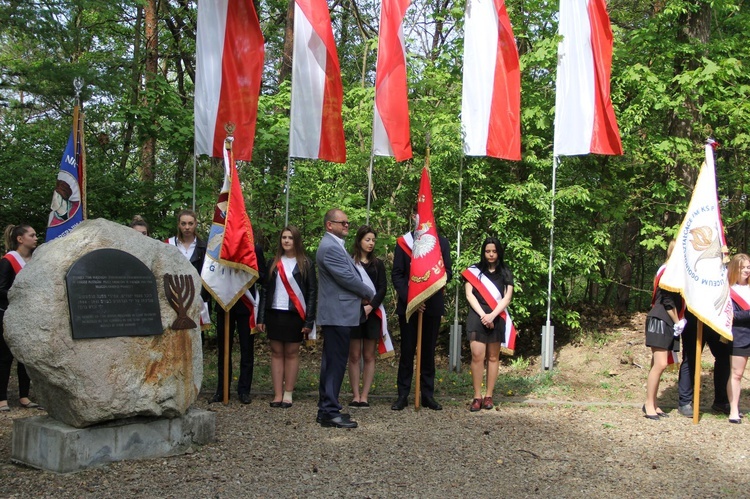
[{"x": 78, "y": 136}]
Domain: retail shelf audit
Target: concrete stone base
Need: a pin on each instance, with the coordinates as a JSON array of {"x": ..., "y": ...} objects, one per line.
[{"x": 44, "y": 443}]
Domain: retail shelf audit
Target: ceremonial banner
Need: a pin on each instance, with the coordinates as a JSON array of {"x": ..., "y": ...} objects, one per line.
[
  {"x": 228, "y": 70},
  {"x": 391, "y": 135},
  {"x": 68, "y": 199},
  {"x": 696, "y": 268},
  {"x": 231, "y": 266},
  {"x": 584, "y": 117},
  {"x": 491, "y": 98},
  {"x": 316, "y": 129},
  {"x": 427, "y": 271}
]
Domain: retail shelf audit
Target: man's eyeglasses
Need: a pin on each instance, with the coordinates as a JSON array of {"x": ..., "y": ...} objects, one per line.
[{"x": 345, "y": 223}]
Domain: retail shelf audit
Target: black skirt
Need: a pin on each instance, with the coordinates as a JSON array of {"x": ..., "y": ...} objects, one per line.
[
  {"x": 284, "y": 326},
  {"x": 368, "y": 330},
  {"x": 659, "y": 334}
]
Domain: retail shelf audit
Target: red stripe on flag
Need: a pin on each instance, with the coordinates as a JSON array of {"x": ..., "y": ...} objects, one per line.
[
  {"x": 332, "y": 142},
  {"x": 390, "y": 81},
  {"x": 504, "y": 138},
  {"x": 241, "y": 72},
  {"x": 605, "y": 138}
]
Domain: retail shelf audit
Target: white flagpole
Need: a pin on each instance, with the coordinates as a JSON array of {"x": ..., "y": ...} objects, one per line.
[
  {"x": 454, "y": 348},
  {"x": 548, "y": 331},
  {"x": 288, "y": 176}
]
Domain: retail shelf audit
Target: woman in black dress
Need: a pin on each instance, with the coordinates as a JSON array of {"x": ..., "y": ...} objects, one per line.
[
  {"x": 489, "y": 289},
  {"x": 663, "y": 328},
  {"x": 286, "y": 311},
  {"x": 739, "y": 280},
  {"x": 364, "y": 340},
  {"x": 20, "y": 241}
]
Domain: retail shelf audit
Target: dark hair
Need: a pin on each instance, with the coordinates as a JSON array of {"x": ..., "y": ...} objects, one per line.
[
  {"x": 299, "y": 251},
  {"x": 361, "y": 233},
  {"x": 483, "y": 264},
  {"x": 181, "y": 214},
  {"x": 12, "y": 233},
  {"x": 139, "y": 221}
]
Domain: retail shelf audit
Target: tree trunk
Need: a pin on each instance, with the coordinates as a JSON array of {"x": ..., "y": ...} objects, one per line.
[
  {"x": 148, "y": 149},
  {"x": 127, "y": 141},
  {"x": 696, "y": 32},
  {"x": 286, "y": 61}
]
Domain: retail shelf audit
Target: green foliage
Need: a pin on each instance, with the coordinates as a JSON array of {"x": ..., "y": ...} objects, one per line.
[{"x": 613, "y": 215}]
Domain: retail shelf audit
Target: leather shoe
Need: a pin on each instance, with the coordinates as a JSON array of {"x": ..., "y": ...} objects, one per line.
[
  {"x": 476, "y": 405},
  {"x": 216, "y": 398},
  {"x": 338, "y": 422},
  {"x": 431, "y": 403},
  {"x": 275, "y": 405},
  {"x": 735, "y": 421},
  {"x": 488, "y": 404},
  {"x": 400, "y": 403},
  {"x": 245, "y": 398}
]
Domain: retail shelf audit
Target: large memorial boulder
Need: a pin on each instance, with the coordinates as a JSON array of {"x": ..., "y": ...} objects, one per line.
[{"x": 82, "y": 382}]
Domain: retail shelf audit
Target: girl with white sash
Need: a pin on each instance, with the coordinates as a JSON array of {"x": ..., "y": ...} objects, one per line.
[
  {"x": 20, "y": 241},
  {"x": 373, "y": 328},
  {"x": 286, "y": 312},
  {"x": 489, "y": 281}
]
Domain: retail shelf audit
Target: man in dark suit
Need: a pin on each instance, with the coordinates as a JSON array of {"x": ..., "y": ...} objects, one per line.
[
  {"x": 239, "y": 320},
  {"x": 432, "y": 311},
  {"x": 341, "y": 294}
]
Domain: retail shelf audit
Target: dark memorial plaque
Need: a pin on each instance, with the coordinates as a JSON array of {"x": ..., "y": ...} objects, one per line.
[{"x": 112, "y": 293}]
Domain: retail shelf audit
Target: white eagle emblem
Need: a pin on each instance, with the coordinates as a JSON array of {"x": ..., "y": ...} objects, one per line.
[{"x": 423, "y": 242}]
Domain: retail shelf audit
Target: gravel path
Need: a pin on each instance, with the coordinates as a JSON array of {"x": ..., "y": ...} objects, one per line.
[{"x": 548, "y": 450}]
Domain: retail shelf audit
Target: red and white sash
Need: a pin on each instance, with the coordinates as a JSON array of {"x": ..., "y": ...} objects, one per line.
[
  {"x": 744, "y": 305},
  {"x": 406, "y": 242},
  {"x": 16, "y": 260},
  {"x": 250, "y": 300},
  {"x": 295, "y": 294},
  {"x": 672, "y": 357},
  {"x": 385, "y": 344},
  {"x": 492, "y": 296}
]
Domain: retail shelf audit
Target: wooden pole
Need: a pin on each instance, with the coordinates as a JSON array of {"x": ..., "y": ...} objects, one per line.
[
  {"x": 225, "y": 381},
  {"x": 418, "y": 394},
  {"x": 697, "y": 379}
]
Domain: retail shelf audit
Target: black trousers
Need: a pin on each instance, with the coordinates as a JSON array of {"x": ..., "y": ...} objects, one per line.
[
  {"x": 240, "y": 323},
  {"x": 332, "y": 369},
  {"x": 721, "y": 352},
  {"x": 430, "y": 328},
  {"x": 6, "y": 361}
]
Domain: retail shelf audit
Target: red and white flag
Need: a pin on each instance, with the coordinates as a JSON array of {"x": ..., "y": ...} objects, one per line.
[
  {"x": 316, "y": 129},
  {"x": 697, "y": 269},
  {"x": 228, "y": 70},
  {"x": 427, "y": 272},
  {"x": 491, "y": 99},
  {"x": 584, "y": 117},
  {"x": 231, "y": 265},
  {"x": 390, "y": 132}
]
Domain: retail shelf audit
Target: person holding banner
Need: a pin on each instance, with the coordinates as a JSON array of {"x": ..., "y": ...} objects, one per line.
[
  {"x": 664, "y": 324},
  {"x": 739, "y": 279},
  {"x": 489, "y": 289},
  {"x": 286, "y": 312},
  {"x": 432, "y": 310},
  {"x": 242, "y": 318},
  {"x": 20, "y": 241},
  {"x": 364, "y": 339}
]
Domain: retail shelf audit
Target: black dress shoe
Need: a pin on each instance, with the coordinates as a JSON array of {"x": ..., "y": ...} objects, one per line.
[
  {"x": 337, "y": 422},
  {"x": 275, "y": 405},
  {"x": 245, "y": 398},
  {"x": 431, "y": 403},
  {"x": 721, "y": 408},
  {"x": 400, "y": 403},
  {"x": 216, "y": 398}
]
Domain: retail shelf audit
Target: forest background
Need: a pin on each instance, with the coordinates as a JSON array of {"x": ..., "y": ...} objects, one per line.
[{"x": 678, "y": 77}]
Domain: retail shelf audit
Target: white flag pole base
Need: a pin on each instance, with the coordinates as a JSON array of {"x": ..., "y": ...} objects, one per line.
[{"x": 548, "y": 346}]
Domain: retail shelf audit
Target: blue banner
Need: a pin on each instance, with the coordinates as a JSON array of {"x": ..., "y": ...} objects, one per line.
[{"x": 66, "y": 210}]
